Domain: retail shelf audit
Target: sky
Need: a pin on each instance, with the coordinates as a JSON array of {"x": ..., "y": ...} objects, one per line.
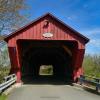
[{"x": 82, "y": 15}]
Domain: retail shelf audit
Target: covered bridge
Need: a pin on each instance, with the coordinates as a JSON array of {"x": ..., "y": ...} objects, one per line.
[{"x": 46, "y": 41}]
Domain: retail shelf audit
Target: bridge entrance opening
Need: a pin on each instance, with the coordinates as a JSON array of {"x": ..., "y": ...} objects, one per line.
[{"x": 53, "y": 58}]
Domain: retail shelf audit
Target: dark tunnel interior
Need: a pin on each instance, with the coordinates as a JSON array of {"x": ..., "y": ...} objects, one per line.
[{"x": 36, "y": 54}]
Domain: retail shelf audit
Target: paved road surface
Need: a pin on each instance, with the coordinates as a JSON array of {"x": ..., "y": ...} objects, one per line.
[{"x": 51, "y": 92}]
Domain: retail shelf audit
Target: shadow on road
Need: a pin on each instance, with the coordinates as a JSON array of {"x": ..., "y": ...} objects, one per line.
[
  {"x": 91, "y": 90},
  {"x": 46, "y": 80}
]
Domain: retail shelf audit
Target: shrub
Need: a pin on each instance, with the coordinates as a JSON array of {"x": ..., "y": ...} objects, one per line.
[{"x": 4, "y": 71}]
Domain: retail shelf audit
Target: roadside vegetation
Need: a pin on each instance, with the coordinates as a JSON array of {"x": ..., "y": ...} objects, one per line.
[
  {"x": 4, "y": 63},
  {"x": 91, "y": 65},
  {"x": 4, "y": 71},
  {"x": 3, "y": 97}
]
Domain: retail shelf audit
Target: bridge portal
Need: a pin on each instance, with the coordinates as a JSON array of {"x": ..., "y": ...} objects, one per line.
[{"x": 46, "y": 41}]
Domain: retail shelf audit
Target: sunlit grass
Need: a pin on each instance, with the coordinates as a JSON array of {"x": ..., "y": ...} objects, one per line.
[{"x": 3, "y": 97}]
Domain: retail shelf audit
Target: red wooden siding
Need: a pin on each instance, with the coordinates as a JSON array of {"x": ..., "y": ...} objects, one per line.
[{"x": 35, "y": 32}]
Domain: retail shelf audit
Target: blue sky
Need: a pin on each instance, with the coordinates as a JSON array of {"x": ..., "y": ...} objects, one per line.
[{"x": 82, "y": 15}]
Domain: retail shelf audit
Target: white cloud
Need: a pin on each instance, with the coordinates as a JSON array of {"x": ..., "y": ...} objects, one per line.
[
  {"x": 72, "y": 17},
  {"x": 94, "y": 36},
  {"x": 92, "y": 31},
  {"x": 69, "y": 17},
  {"x": 95, "y": 42}
]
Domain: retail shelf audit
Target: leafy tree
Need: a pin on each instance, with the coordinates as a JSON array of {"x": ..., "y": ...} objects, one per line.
[
  {"x": 4, "y": 57},
  {"x": 4, "y": 63},
  {"x": 91, "y": 65}
]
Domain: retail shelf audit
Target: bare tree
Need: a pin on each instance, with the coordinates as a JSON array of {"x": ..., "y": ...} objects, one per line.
[{"x": 11, "y": 17}]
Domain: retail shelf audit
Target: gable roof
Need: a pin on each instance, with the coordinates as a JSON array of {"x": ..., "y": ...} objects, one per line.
[{"x": 55, "y": 18}]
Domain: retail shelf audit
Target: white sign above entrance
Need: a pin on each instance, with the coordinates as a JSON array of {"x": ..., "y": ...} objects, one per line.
[{"x": 48, "y": 34}]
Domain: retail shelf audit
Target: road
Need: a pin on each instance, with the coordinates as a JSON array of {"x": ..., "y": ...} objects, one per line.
[{"x": 51, "y": 92}]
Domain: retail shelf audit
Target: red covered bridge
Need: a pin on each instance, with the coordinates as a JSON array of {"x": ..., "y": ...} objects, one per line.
[{"x": 46, "y": 41}]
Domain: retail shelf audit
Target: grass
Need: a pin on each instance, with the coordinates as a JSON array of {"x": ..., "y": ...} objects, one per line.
[{"x": 3, "y": 97}]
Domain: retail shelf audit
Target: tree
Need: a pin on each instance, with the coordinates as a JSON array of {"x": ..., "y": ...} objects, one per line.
[
  {"x": 11, "y": 17},
  {"x": 91, "y": 65},
  {"x": 4, "y": 57}
]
